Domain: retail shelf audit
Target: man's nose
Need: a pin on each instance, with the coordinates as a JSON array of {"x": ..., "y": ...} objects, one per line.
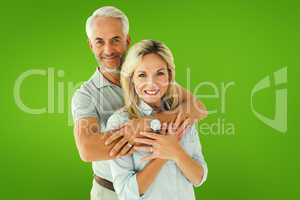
[{"x": 108, "y": 49}]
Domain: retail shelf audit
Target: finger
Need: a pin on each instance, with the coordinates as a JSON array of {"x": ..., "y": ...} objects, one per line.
[
  {"x": 171, "y": 129},
  {"x": 113, "y": 137},
  {"x": 144, "y": 141},
  {"x": 117, "y": 147},
  {"x": 178, "y": 120},
  {"x": 204, "y": 112},
  {"x": 181, "y": 130},
  {"x": 184, "y": 125},
  {"x": 150, "y": 135},
  {"x": 120, "y": 126},
  {"x": 126, "y": 149},
  {"x": 144, "y": 148},
  {"x": 130, "y": 152},
  {"x": 164, "y": 127},
  {"x": 179, "y": 135}
]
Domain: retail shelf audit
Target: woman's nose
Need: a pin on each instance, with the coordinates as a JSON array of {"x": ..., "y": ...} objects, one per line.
[{"x": 151, "y": 81}]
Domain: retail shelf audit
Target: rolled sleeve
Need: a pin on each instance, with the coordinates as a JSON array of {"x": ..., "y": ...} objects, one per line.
[
  {"x": 198, "y": 155},
  {"x": 124, "y": 178},
  {"x": 122, "y": 169},
  {"x": 82, "y": 105}
]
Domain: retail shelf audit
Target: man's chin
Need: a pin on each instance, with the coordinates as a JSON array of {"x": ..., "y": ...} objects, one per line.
[{"x": 112, "y": 66}]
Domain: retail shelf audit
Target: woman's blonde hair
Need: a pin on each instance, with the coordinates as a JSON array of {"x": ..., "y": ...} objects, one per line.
[{"x": 133, "y": 58}]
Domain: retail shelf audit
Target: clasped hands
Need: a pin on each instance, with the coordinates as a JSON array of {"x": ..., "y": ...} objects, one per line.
[{"x": 137, "y": 135}]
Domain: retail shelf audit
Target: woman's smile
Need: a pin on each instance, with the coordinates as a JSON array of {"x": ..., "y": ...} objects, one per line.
[{"x": 152, "y": 92}]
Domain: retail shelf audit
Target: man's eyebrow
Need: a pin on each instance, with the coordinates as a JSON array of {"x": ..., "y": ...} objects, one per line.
[
  {"x": 98, "y": 38},
  {"x": 116, "y": 37}
]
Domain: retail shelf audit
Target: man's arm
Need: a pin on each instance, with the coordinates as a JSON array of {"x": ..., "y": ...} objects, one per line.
[
  {"x": 90, "y": 140},
  {"x": 189, "y": 108}
]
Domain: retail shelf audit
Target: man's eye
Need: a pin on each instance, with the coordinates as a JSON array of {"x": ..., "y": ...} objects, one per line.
[
  {"x": 99, "y": 43},
  {"x": 115, "y": 40}
]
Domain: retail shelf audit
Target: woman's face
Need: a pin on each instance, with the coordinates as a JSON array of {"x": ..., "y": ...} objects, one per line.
[{"x": 151, "y": 79}]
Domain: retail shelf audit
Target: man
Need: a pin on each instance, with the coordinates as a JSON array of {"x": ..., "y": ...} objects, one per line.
[{"x": 108, "y": 35}]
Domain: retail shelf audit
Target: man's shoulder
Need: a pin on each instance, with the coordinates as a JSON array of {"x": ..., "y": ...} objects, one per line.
[{"x": 86, "y": 88}]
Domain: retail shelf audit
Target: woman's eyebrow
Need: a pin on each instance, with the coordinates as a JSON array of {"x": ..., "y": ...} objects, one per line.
[{"x": 162, "y": 68}]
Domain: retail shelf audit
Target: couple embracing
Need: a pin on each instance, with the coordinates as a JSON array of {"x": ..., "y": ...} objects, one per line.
[{"x": 133, "y": 121}]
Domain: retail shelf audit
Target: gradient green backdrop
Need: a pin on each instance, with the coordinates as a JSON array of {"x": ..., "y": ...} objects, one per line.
[{"x": 238, "y": 41}]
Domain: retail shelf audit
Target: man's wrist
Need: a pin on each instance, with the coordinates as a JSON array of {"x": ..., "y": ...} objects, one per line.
[{"x": 145, "y": 123}]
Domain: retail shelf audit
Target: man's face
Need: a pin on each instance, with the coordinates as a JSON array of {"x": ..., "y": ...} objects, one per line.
[{"x": 108, "y": 41}]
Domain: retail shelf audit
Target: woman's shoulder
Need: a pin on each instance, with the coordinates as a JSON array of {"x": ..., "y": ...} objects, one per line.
[
  {"x": 190, "y": 134},
  {"x": 118, "y": 118}
]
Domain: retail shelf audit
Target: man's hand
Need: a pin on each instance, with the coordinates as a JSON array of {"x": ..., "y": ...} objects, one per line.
[
  {"x": 126, "y": 135},
  {"x": 182, "y": 121}
]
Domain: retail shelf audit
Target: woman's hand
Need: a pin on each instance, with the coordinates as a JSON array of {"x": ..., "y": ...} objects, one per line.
[
  {"x": 164, "y": 146},
  {"x": 125, "y": 136}
]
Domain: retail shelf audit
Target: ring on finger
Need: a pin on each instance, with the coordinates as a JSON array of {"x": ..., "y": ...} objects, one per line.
[{"x": 151, "y": 149}]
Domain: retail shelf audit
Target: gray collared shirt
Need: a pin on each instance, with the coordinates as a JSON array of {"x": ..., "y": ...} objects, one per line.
[
  {"x": 170, "y": 183},
  {"x": 98, "y": 98}
]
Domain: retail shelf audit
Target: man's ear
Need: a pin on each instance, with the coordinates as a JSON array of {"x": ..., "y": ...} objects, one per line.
[
  {"x": 90, "y": 44},
  {"x": 128, "y": 40}
]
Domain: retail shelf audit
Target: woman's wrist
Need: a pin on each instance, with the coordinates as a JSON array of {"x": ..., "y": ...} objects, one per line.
[{"x": 179, "y": 155}]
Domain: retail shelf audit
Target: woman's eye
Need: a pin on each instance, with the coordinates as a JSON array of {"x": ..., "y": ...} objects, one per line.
[
  {"x": 141, "y": 75},
  {"x": 160, "y": 73}
]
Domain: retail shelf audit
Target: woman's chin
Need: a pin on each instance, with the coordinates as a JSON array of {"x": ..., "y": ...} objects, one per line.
[{"x": 152, "y": 101}]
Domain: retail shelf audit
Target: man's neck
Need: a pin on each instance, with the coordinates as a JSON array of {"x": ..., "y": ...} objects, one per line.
[{"x": 111, "y": 75}]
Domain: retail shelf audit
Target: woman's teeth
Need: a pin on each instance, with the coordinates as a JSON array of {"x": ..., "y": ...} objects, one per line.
[{"x": 151, "y": 92}]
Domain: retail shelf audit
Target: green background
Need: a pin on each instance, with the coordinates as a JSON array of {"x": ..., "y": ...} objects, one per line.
[{"x": 220, "y": 41}]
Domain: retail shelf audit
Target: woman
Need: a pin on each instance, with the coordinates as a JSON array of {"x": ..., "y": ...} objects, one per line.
[{"x": 165, "y": 168}]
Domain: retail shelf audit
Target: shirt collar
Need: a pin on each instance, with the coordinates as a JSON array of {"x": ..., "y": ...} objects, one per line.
[
  {"x": 147, "y": 110},
  {"x": 99, "y": 80}
]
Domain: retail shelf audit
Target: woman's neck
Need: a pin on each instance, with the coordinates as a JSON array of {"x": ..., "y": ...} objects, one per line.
[{"x": 156, "y": 106}]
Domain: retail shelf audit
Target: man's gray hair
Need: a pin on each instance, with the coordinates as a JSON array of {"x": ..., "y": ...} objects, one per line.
[{"x": 107, "y": 11}]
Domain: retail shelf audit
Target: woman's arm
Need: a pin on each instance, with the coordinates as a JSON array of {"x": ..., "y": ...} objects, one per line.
[
  {"x": 194, "y": 165},
  {"x": 146, "y": 176},
  {"x": 190, "y": 168},
  {"x": 130, "y": 184},
  {"x": 167, "y": 147}
]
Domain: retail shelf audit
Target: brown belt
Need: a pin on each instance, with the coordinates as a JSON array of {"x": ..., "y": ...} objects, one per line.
[{"x": 104, "y": 183}]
